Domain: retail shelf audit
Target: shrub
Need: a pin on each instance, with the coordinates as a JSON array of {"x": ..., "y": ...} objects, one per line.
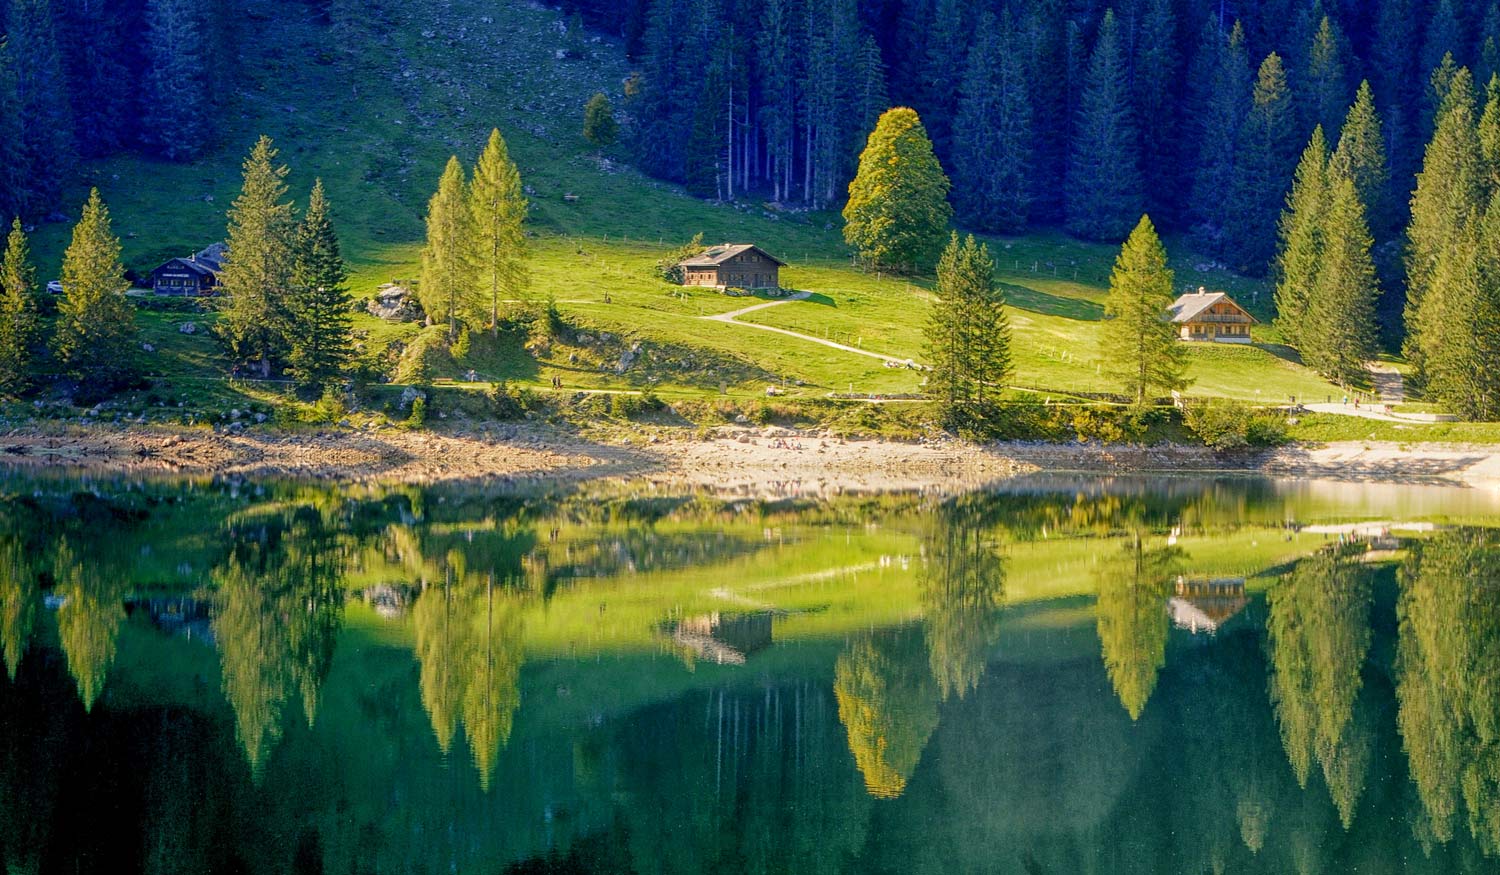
[
  {"x": 511, "y": 402},
  {"x": 667, "y": 268},
  {"x": 1225, "y": 425},
  {"x": 418, "y": 416},
  {"x": 331, "y": 407}
]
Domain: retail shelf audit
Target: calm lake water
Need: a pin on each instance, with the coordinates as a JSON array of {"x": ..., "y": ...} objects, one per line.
[{"x": 1058, "y": 676}]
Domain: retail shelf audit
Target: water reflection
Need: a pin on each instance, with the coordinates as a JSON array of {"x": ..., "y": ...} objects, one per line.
[
  {"x": 1066, "y": 675},
  {"x": 1133, "y": 584},
  {"x": 1318, "y": 632}
]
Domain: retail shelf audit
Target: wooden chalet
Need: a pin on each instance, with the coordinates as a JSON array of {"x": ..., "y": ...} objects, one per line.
[
  {"x": 733, "y": 266},
  {"x": 1211, "y": 317},
  {"x": 198, "y": 274}
]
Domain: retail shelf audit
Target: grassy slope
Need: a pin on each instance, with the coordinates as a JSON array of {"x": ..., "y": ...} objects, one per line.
[{"x": 375, "y": 113}]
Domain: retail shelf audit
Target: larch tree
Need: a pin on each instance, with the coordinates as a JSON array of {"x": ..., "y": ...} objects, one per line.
[
  {"x": 257, "y": 268},
  {"x": 1263, "y": 170},
  {"x": 898, "y": 202},
  {"x": 1449, "y": 197},
  {"x": 599, "y": 125},
  {"x": 1338, "y": 333},
  {"x": 1139, "y": 345},
  {"x": 968, "y": 336},
  {"x": 95, "y": 323},
  {"x": 1104, "y": 192},
  {"x": 18, "y": 313},
  {"x": 1301, "y": 249},
  {"x": 497, "y": 209},
  {"x": 446, "y": 258},
  {"x": 320, "y": 335},
  {"x": 993, "y": 135},
  {"x": 1361, "y": 156}
]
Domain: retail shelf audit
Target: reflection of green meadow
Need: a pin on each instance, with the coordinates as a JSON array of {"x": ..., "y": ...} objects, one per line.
[{"x": 513, "y": 663}]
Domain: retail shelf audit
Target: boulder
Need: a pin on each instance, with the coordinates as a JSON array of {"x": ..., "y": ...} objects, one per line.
[
  {"x": 395, "y": 303},
  {"x": 188, "y": 328}
]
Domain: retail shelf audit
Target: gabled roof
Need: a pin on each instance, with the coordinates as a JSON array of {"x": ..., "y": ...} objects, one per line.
[
  {"x": 717, "y": 255},
  {"x": 1194, "y": 304},
  {"x": 187, "y": 264}
]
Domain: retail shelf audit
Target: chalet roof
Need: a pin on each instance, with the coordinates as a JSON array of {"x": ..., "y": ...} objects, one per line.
[
  {"x": 1194, "y": 304},
  {"x": 187, "y": 264},
  {"x": 717, "y": 255}
]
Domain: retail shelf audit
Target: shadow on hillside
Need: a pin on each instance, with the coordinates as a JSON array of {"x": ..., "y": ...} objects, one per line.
[
  {"x": 1025, "y": 298},
  {"x": 821, "y": 299},
  {"x": 1281, "y": 351}
]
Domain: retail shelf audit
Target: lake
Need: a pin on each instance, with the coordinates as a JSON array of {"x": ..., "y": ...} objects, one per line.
[{"x": 1058, "y": 675}]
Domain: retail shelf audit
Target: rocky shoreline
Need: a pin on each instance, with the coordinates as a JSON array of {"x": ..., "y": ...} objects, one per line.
[{"x": 750, "y": 461}]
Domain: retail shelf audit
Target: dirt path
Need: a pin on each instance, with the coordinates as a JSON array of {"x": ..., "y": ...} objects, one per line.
[
  {"x": 1388, "y": 383},
  {"x": 800, "y": 296},
  {"x": 1366, "y": 411}
]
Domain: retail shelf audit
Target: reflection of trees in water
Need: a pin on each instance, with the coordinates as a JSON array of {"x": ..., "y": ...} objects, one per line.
[
  {"x": 888, "y": 703},
  {"x": 89, "y": 620},
  {"x": 962, "y": 586},
  {"x": 20, "y": 603},
  {"x": 1132, "y": 619},
  {"x": 1448, "y": 682},
  {"x": 277, "y": 615},
  {"x": 1318, "y": 634},
  {"x": 469, "y": 649}
]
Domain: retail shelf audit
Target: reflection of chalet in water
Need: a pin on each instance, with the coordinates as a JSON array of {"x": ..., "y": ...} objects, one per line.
[
  {"x": 176, "y": 616},
  {"x": 1201, "y": 604},
  {"x": 724, "y": 638},
  {"x": 389, "y": 601}
]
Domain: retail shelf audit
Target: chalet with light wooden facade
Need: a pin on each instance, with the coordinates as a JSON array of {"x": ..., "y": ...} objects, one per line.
[
  {"x": 733, "y": 266},
  {"x": 1211, "y": 317},
  {"x": 1202, "y": 605},
  {"x": 198, "y": 274}
]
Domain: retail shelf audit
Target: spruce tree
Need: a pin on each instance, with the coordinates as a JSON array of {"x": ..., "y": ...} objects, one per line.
[
  {"x": 177, "y": 79},
  {"x": 1338, "y": 333},
  {"x": 99, "y": 85},
  {"x": 446, "y": 258},
  {"x": 1301, "y": 250},
  {"x": 1449, "y": 197},
  {"x": 898, "y": 202},
  {"x": 1326, "y": 91},
  {"x": 47, "y": 149},
  {"x": 1489, "y": 134},
  {"x": 18, "y": 313},
  {"x": 320, "y": 339},
  {"x": 1104, "y": 192},
  {"x": 1157, "y": 64},
  {"x": 497, "y": 242},
  {"x": 1139, "y": 345},
  {"x": 968, "y": 336},
  {"x": 1221, "y": 111},
  {"x": 1465, "y": 300},
  {"x": 1444, "y": 38},
  {"x": 993, "y": 138},
  {"x": 599, "y": 125},
  {"x": 95, "y": 323},
  {"x": 1263, "y": 171},
  {"x": 1361, "y": 156},
  {"x": 13, "y": 182},
  {"x": 257, "y": 269}
]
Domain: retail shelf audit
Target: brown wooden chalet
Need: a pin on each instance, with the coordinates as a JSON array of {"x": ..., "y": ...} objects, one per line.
[
  {"x": 198, "y": 274},
  {"x": 1204, "y": 605},
  {"x": 733, "y": 266},
  {"x": 1213, "y": 317}
]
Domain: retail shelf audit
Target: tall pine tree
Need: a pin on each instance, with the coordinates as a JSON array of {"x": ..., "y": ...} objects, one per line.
[
  {"x": 993, "y": 137},
  {"x": 1301, "y": 250},
  {"x": 1138, "y": 344},
  {"x": 177, "y": 79},
  {"x": 1338, "y": 334},
  {"x": 1156, "y": 71},
  {"x": 95, "y": 323},
  {"x": 320, "y": 333},
  {"x": 18, "y": 313},
  {"x": 257, "y": 268},
  {"x": 1459, "y": 366},
  {"x": 1361, "y": 156},
  {"x": 1220, "y": 111},
  {"x": 1325, "y": 94},
  {"x": 1449, "y": 197},
  {"x": 47, "y": 149},
  {"x": 1104, "y": 192},
  {"x": 968, "y": 336},
  {"x": 1263, "y": 171}
]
